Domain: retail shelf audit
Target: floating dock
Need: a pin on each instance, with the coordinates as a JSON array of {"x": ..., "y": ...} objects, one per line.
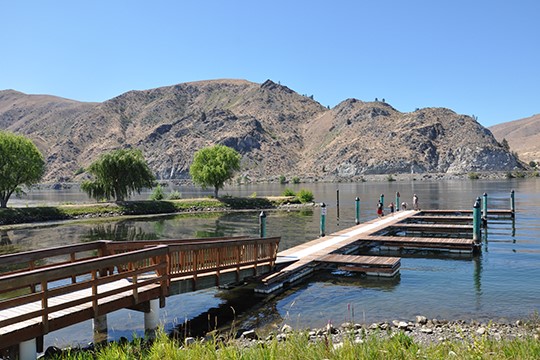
[{"x": 447, "y": 231}]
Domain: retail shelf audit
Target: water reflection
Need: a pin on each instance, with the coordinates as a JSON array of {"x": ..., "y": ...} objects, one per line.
[
  {"x": 4, "y": 238},
  {"x": 119, "y": 232}
]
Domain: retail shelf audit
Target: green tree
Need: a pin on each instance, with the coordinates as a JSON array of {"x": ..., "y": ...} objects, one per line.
[
  {"x": 118, "y": 174},
  {"x": 214, "y": 165},
  {"x": 21, "y": 163}
]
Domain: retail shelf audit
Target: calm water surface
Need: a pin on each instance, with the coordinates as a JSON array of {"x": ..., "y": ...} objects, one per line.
[{"x": 503, "y": 283}]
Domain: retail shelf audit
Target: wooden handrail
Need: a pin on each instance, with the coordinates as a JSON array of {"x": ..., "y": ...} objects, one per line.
[
  {"x": 64, "y": 271},
  {"x": 156, "y": 254},
  {"x": 149, "y": 267}
]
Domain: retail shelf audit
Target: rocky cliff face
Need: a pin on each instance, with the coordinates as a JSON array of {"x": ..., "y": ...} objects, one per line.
[{"x": 276, "y": 130}]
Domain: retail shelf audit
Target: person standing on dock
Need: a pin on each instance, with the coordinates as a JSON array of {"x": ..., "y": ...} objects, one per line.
[
  {"x": 415, "y": 202},
  {"x": 380, "y": 212},
  {"x": 391, "y": 207}
]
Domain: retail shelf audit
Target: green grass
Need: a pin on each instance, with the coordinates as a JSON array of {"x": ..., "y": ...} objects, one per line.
[
  {"x": 298, "y": 345},
  {"x": 144, "y": 207}
]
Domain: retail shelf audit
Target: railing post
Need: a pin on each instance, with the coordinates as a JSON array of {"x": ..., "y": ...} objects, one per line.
[
  {"x": 323, "y": 220},
  {"x": 357, "y": 208},
  {"x": 398, "y": 204},
  {"x": 45, "y": 306},
  {"x": 513, "y": 202},
  {"x": 262, "y": 224},
  {"x": 476, "y": 221},
  {"x": 381, "y": 199}
]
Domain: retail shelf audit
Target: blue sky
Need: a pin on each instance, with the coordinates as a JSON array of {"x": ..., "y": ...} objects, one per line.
[{"x": 476, "y": 57}]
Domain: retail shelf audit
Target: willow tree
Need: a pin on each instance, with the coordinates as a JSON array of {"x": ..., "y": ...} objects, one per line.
[
  {"x": 21, "y": 163},
  {"x": 118, "y": 174},
  {"x": 214, "y": 165}
]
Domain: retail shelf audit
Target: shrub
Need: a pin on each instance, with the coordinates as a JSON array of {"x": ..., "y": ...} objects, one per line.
[
  {"x": 520, "y": 174},
  {"x": 473, "y": 176},
  {"x": 296, "y": 180},
  {"x": 305, "y": 196},
  {"x": 288, "y": 192},
  {"x": 157, "y": 193},
  {"x": 282, "y": 179},
  {"x": 175, "y": 195},
  {"x": 509, "y": 175},
  {"x": 79, "y": 171},
  {"x": 390, "y": 178},
  {"x": 253, "y": 194}
]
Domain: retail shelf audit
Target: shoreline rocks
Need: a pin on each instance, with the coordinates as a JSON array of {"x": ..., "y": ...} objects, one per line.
[{"x": 423, "y": 331}]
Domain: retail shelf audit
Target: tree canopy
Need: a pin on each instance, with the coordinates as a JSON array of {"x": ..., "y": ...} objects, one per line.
[
  {"x": 214, "y": 165},
  {"x": 118, "y": 174},
  {"x": 21, "y": 163}
]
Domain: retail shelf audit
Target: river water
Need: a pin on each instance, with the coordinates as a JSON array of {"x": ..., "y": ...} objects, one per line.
[{"x": 503, "y": 283}]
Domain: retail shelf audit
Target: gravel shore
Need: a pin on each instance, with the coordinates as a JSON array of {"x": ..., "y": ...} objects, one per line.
[{"x": 422, "y": 330}]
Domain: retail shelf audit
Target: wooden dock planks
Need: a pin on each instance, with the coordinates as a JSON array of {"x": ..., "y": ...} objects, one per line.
[
  {"x": 370, "y": 265},
  {"x": 461, "y": 245}
]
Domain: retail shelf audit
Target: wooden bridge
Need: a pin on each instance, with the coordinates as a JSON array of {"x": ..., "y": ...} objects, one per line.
[{"x": 45, "y": 290}]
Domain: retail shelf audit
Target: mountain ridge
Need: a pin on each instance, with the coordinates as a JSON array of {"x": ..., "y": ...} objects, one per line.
[
  {"x": 522, "y": 135},
  {"x": 277, "y": 131}
]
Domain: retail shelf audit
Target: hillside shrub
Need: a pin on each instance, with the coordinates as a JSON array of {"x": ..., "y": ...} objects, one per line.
[
  {"x": 390, "y": 178},
  {"x": 473, "y": 176},
  {"x": 296, "y": 180},
  {"x": 305, "y": 196},
  {"x": 282, "y": 179}
]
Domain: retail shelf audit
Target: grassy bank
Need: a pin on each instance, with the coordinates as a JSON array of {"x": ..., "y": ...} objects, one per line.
[
  {"x": 10, "y": 216},
  {"x": 299, "y": 345}
]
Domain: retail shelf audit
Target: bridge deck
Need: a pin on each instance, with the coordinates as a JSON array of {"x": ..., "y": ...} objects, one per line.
[{"x": 84, "y": 307}]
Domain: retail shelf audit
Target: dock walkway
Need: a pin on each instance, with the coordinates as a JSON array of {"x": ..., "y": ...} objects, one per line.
[{"x": 305, "y": 256}]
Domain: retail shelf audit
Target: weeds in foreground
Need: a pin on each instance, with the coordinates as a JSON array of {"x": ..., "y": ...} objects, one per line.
[{"x": 299, "y": 345}]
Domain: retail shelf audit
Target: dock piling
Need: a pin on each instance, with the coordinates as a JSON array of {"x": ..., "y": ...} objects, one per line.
[
  {"x": 484, "y": 210},
  {"x": 151, "y": 318},
  {"x": 381, "y": 199},
  {"x": 337, "y": 203},
  {"x": 357, "y": 208},
  {"x": 100, "y": 329},
  {"x": 27, "y": 350},
  {"x": 513, "y": 202},
  {"x": 262, "y": 224},
  {"x": 476, "y": 220},
  {"x": 397, "y": 201},
  {"x": 323, "y": 220}
]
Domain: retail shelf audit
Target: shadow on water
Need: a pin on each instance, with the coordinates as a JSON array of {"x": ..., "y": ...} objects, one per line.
[{"x": 226, "y": 316}]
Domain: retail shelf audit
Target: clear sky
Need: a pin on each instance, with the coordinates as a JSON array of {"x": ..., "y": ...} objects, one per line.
[{"x": 476, "y": 57}]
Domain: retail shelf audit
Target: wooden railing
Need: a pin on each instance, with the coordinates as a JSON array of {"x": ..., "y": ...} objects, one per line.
[
  {"x": 88, "y": 277},
  {"x": 45, "y": 285},
  {"x": 194, "y": 257}
]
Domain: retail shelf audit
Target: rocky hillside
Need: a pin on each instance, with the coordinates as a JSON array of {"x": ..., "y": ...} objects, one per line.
[
  {"x": 523, "y": 137},
  {"x": 276, "y": 130}
]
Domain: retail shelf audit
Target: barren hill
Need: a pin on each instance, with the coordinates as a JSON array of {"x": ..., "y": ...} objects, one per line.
[
  {"x": 523, "y": 137},
  {"x": 277, "y": 131}
]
